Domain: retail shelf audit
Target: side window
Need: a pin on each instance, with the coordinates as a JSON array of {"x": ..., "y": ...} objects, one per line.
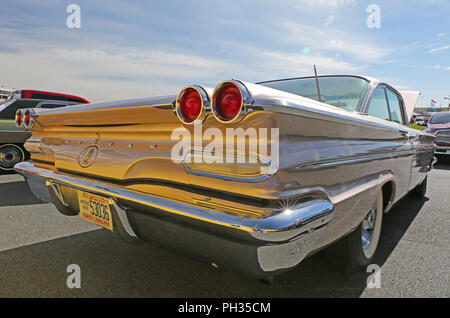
[
  {"x": 395, "y": 107},
  {"x": 9, "y": 112},
  {"x": 378, "y": 106}
]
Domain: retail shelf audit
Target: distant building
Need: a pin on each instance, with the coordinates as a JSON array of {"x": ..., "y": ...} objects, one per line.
[
  {"x": 5, "y": 92},
  {"x": 431, "y": 110}
]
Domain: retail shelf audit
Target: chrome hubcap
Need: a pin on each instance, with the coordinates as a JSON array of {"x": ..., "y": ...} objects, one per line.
[
  {"x": 10, "y": 155},
  {"x": 368, "y": 227}
]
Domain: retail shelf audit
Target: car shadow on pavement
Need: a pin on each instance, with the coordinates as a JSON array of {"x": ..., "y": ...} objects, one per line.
[
  {"x": 17, "y": 193},
  {"x": 112, "y": 268},
  {"x": 329, "y": 282},
  {"x": 443, "y": 163}
]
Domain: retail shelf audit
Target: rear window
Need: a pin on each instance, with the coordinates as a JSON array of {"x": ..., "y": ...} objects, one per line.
[
  {"x": 345, "y": 92},
  {"x": 55, "y": 97}
]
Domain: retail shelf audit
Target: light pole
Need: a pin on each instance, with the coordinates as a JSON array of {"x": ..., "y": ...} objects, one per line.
[{"x": 448, "y": 99}]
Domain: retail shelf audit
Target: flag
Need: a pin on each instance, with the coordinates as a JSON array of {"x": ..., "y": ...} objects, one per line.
[{"x": 433, "y": 103}]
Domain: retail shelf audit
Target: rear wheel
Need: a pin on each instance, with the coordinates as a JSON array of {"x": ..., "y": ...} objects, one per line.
[
  {"x": 357, "y": 250},
  {"x": 420, "y": 191},
  {"x": 10, "y": 155}
]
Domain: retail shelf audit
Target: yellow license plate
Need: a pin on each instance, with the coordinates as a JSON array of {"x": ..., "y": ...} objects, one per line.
[{"x": 95, "y": 209}]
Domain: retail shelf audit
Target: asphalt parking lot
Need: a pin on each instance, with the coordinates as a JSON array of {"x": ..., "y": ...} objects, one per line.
[{"x": 37, "y": 244}]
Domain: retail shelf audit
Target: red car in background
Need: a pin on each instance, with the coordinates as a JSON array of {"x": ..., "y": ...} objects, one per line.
[
  {"x": 422, "y": 120},
  {"x": 35, "y": 94}
]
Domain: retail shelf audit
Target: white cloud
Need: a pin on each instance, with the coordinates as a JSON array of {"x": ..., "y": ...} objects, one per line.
[
  {"x": 107, "y": 65},
  {"x": 259, "y": 63},
  {"x": 106, "y": 74},
  {"x": 335, "y": 41},
  {"x": 439, "y": 49},
  {"x": 322, "y": 3},
  {"x": 289, "y": 63},
  {"x": 401, "y": 87}
]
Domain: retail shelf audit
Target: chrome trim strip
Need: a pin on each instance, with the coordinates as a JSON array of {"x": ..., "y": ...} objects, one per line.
[
  {"x": 333, "y": 163},
  {"x": 270, "y": 170},
  {"x": 445, "y": 132},
  {"x": 13, "y": 132}
]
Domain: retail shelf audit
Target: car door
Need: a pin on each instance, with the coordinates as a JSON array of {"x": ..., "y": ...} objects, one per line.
[
  {"x": 420, "y": 157},
  {"x": 400, "y": 146}
]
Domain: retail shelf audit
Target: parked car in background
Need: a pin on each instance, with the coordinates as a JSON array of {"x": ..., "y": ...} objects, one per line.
[
  {"x": 4, "y": 93},
  {"x": 422, "y": 120},
  {"x": 439, "y": 125},
  {"x": 345, "y": 158},
  {"x": 12, "y": 138}
]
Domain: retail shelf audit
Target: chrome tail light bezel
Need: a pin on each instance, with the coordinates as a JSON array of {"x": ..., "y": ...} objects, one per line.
[
  {"x": 24, "y": 113},
  {"x": 206, "y": 105},
  {"x": 19, "y": 118},
  {"x": 29, "y": 112},
  {"x": 245, "y": 101}
]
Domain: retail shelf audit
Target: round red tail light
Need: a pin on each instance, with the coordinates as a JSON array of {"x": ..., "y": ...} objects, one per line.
[
  {"x": 189, "y": 105},
  {"x": 227, "y": 102},
  {"x": 19, "y": 118}
]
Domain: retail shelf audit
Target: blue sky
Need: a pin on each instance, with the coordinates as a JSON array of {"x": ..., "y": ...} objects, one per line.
[{"x": 128, "y": 49}]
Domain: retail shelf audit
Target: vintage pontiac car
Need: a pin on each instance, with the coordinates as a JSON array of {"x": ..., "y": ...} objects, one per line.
[
  {"x": 12, "y": 137},
  {"x": 439, "y": 125},
  {"x": 339, "y": 159}
]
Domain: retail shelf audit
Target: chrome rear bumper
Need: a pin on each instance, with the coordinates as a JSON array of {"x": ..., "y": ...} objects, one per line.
[{"x": 254, "y": 246}]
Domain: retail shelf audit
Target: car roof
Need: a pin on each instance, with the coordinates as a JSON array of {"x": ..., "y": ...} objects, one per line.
[
  {"x": 36, "y": 91},
  {"x": 367, "y": 78}
]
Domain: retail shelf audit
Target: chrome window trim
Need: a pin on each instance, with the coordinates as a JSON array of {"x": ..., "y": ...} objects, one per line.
[
  {"x": 395, "y": 92},
  {"x": 400, "y": 101}
]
